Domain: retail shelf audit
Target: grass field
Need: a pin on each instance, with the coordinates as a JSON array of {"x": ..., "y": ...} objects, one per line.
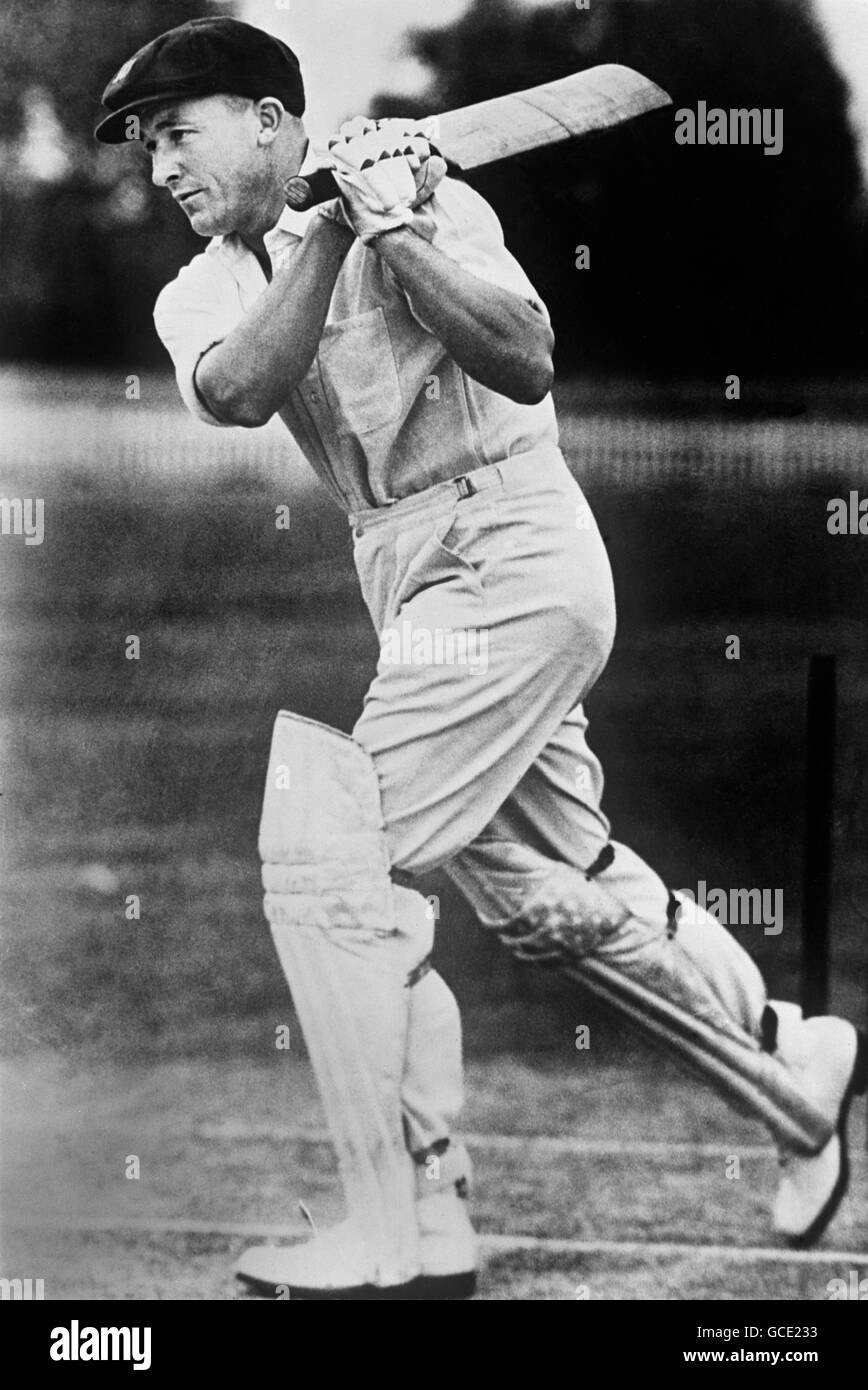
[
  {"x": 608, "y": 1174},
  {"x": 155, "y": 1037}
]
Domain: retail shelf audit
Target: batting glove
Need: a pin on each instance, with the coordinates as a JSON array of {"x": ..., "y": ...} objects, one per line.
[
  {"x": 428, "y": 170},
  {"x": 384, "y": 174}
]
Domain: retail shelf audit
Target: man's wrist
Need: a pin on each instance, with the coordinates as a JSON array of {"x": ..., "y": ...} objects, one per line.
[
  {"x": 420, "y": 227},
  {"x": 388, "y": 237}
]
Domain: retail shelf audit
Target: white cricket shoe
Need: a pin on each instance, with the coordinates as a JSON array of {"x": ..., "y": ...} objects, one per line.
[
  {"x": 337, "y": 1264},
  {"x": 447, "y": 1242},
  {"x": 830, "y": 1060}
]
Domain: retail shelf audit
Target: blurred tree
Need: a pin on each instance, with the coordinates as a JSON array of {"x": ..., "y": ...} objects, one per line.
[
  {"x": 87, "y": 241},
  {"x": 706, "y": 258}
]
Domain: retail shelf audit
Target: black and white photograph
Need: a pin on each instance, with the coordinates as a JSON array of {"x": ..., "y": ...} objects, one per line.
[{"x": 433, "y": 597}]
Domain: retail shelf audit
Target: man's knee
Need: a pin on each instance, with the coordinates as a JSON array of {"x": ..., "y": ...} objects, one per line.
[{"x": 541, "y": 909}]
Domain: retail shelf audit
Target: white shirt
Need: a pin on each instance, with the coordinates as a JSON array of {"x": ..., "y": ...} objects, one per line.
[{"x": 383, "y": 411}]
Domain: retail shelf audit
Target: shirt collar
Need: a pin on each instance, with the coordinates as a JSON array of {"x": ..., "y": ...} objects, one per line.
[{"x": 290, "y": 224}]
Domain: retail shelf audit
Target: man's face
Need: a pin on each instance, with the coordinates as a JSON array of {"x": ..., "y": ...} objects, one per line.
[{"x": 205, "y": 152}]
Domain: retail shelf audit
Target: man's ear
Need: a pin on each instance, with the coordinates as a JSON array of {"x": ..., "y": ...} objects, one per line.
[{"x": 271, "y": 115}]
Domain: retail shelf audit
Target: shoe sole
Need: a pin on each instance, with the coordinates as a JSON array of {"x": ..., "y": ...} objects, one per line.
[
  {"x": 432, "y": 1287},
  {"x": 857, "y": 1087}
]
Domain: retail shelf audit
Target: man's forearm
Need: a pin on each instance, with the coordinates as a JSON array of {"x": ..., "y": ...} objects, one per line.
[
  {"x": 248, "y": 376},
  {"x": 494, "y": 335}
]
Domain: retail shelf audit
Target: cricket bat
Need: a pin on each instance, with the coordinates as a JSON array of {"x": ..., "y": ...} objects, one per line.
[{"x": 588, "y": 101}]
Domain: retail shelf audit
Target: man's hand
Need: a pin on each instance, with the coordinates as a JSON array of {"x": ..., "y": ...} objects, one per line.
[
  {"x": 394, "y": 131},
  {"x": 386, "y": 170}
]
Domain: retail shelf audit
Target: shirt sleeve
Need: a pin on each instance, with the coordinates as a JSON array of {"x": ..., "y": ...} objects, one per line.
[
  {"x": 195, "y": 311},
  {"x": 467, "y": 230}
]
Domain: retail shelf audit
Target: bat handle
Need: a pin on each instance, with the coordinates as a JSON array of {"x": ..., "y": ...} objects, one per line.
[
  {"x": 321, "y": 187},
  {"x": 318, "y": 187}
]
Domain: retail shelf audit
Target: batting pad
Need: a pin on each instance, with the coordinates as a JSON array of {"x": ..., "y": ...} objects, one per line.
[
  {"x": 738, "y": 1069},
  {"x": 679, "y": 976},
  {"x": 331, "y": 906}
]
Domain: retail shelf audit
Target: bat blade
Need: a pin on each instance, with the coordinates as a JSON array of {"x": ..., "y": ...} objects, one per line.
[{"x": 596, "y": 99}]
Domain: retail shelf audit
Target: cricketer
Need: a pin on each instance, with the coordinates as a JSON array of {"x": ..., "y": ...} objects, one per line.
[{"x": 465, "y": 519}]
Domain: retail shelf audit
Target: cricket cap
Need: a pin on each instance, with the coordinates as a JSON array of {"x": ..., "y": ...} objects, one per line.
[{"x": 201, "y": 58}]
